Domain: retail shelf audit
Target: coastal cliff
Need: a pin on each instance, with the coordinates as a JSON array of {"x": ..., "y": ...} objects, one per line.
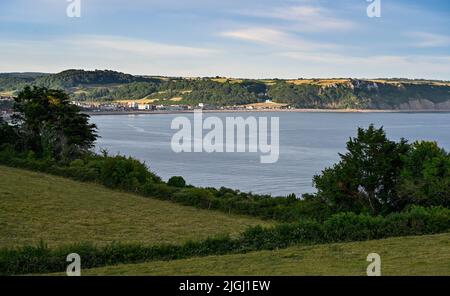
[{"x": 216, "y": 92}]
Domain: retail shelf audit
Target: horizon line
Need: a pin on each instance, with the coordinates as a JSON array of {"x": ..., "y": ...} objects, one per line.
[{"x": 228, "y": 77}]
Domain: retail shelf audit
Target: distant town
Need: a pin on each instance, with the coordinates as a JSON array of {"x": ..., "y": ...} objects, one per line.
[
  {"x": 6, "y": 107},
  {"x": 129, "y": 106}
]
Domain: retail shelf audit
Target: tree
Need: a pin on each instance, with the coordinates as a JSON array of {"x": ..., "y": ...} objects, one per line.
[
  {"x": 177, "y": 181},
  {"x": 8, "y": 134},
  {"x": 366, "y": 178},
  {"x": 51, "y": 125},
  {"x": 425, "y": 178}
]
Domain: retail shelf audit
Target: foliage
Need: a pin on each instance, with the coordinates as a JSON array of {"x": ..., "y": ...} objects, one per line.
[
  {"x": 17, "y": 81},
  {"x": 379, "y": 176},
  {"x": 117, "y": 171},
  {"x": 177, "y": 181},
  {"x": 8, "y": 134},
  {"x": 365, "y": 179},
  {"x": 50, "y": 125},
  {"x": 359, "y": 94},
  {"x": 216, "y": 93},
  {"x": 425, "y": 178},
  {"x": 122, "y": 172},
  {"x": 73, "y": 78}
]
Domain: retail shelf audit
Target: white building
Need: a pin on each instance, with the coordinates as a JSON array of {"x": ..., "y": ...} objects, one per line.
[
  {"x": 144, "y": 107},
  {"x": 132, "y": 105}
]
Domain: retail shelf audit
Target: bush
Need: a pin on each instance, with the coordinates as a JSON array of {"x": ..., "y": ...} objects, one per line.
[
  {"x": 352, "y": 227},
  {"x": 177, "y": 181},
  {"x": 425, "y": 179},
  {"x": 198, "y": 197},
  {"x": 77, "y": 163},
  {"x": 158, "y": 190},
  {"x": 124, "y": 173}
]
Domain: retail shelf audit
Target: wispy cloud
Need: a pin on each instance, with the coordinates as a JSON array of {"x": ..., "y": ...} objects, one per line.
[
  {"x": 305, "y": 17},
  {"x": 276, "y": 38},
  {"x": 139, "y": 46},
  {"x": 429, "y": 40}
]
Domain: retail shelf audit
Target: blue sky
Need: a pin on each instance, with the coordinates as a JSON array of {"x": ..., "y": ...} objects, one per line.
[{"x": 237, "y": 38}]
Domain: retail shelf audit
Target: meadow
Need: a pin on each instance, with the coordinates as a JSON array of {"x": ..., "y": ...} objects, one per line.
[{"x": 38, "y": 207}]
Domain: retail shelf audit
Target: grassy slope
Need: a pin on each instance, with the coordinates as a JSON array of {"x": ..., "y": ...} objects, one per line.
[
  {"x": 36, "y": 206},
  {"x": 423, "y": 255}
]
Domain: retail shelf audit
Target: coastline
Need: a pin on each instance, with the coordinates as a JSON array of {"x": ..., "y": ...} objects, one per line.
[{"x": 135, "y": 112}]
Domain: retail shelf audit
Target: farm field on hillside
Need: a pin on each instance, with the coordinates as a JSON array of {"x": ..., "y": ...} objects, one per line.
[{"x": 58, "y": 211}]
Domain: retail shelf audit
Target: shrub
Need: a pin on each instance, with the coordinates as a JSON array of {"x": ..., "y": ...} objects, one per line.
[
  {"x": 177, "y": 181},
  {"x": 76, "y": 163},
  {"x": 197, "y": 197},
  {"x": 124, "y": 173},
  {"x": 158, "y": 190},
  {"x": 425, "y": 179},
  {"x": 352, "y": 227}
]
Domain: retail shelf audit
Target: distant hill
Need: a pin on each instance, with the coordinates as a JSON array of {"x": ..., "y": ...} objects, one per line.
[
  {"x": 74, "y": 78},
  {"x": 31, "y": 75},
  {"x": 339, "y": 93},
  {"x": 15, "y": 81}
]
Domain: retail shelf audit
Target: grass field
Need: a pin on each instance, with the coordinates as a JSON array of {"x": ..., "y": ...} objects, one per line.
[
  {"x": 422, "y": 255},
  {"x": 320, "y": 82},
  {"x": 35, "y": 206},
  {"x": 269, "y": 105},
  {"x": 418, "y": 81}
]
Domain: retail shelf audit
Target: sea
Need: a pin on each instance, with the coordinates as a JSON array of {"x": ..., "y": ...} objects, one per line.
[{"x": 308, "y": 143}]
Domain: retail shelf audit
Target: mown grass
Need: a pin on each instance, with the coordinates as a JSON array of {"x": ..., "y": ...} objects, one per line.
[
  {"x": 419, "y": 255},
  {"x": 58, "y": 211}
]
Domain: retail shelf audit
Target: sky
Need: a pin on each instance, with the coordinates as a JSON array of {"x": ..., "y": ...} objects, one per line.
[{"x": 233, "y": 38}]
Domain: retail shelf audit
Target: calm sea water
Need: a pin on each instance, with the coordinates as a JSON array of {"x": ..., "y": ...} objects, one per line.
[{"x": 309, "y": 142}]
